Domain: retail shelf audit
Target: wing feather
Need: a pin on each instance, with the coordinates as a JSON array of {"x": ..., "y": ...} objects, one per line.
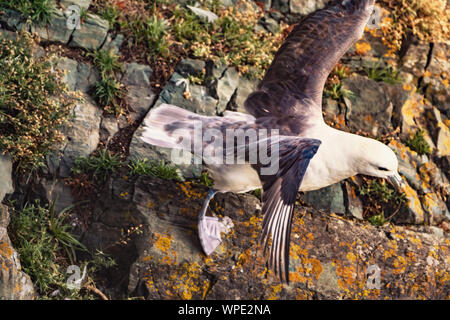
[
  {"x": 292, "y": 87},
  {"x": 279, "y": 195}
]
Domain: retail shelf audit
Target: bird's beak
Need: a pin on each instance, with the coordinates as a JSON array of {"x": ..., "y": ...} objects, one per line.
[{"x": 397, "y": 181}]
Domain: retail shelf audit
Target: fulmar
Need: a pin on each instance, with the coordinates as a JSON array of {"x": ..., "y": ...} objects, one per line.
[{"x": 287, "y": 104}]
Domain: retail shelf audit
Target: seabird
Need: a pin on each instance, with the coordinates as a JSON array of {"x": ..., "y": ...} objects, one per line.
[{"x": 310, "y": 154}]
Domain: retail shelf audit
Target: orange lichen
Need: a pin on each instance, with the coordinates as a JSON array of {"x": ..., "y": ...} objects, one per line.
[
  {"x": 5, "y": 250},
  {"x": 362, "y": 47},
  {"x": 163, "y": 243}
]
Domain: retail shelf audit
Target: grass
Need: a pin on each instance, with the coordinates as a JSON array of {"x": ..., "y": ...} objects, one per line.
[
  {"x": 152, "y": 32},
  {"x": 387, "y": 74},
  {"x": 163, "y": 32},
  {"x": 418, "y": 143},
  {"x": 46, "y": 248},
  {"x": 336, "y": 92},
  {"x": 108, "y": 91},
  {"x": 107, "y": 62},
  {"x": 205, "y": 180},
  {"x": 163, "y": 170},
  {"x": 39, "y": 11},
  {"x": 34, "y": 103},
  {"x": 99, "y": 166},
  {"x": 111, "y": 13}
]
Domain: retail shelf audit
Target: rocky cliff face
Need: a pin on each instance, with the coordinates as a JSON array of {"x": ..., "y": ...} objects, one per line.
[{"x": 149, "y": 225}]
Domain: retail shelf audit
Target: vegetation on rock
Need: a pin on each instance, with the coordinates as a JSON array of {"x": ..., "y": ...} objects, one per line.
[{"x": 34, "y": 103}]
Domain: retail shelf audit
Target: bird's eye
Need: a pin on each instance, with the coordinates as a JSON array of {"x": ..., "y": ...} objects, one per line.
[{"x": 382, "y": 169}]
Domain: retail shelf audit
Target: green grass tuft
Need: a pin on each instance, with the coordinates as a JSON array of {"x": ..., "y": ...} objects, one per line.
[
  {"x": 418, "y": 143},
  {"x": 161, "y": 169},
  {"x": 38, "y": 11},
  {"x": 387, "y": 74},
  {"x": 100, "y": 166}
]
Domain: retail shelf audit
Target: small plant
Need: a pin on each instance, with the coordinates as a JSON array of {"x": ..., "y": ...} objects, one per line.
[
  {"x": 337, "y": 92},
  {"x": 156, "y": 169},
  {"x": 380, "y": 198},
  {"x": 107, "y": 91},
  {"x": 378, "y": 220},
  {"x": 34, "y": 103},
  {"x": 38, "y": 11},
  {"x": 418, "y": 143},
  {"x": 47, "y": 247},
  {"x": 107, "y": 62},
  {"x": 60, "y": 229},
  {"x": 153, "y": 32},
  {"x": 110, "y": 13},
  {"x": 100, "y": 166},
  {"x": 257, "y": 193},
  {"x": 386, "y": 74},
  {"x": 205, "y": 180}
]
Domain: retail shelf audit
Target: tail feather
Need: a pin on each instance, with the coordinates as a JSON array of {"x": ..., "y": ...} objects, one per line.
[
  {"x": 162, "y": 122},
  {"x": 167, "y": 125}
]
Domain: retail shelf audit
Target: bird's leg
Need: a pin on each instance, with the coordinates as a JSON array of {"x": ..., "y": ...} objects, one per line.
[{"x": 209, "y": 228}]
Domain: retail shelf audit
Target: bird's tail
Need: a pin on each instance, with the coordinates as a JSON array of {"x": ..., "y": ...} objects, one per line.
[
  {"x": 170, "y": 126},
  {"x": 164, "y": 125}
]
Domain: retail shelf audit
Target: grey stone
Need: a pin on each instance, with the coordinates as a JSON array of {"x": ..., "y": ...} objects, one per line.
[
  {"x": 198, "y": 101},
  {"x": 58, "y": 192},
  {"x": 416, "y": 57},
  {"x": 243, "y": 90},
  {"x": 368, "y": 109},
  {"x": 137, "y": 74},
  {"x": 226, "y": 86},
  {"x": 305, "y": 7},
  {"x": 81, "y": 3},
  {"x": 190, "y": 66},
  {"x": 140, "y": 95},
  {"x": 6, "y": 185},
  {"x": 165, "y": 260},
  {"x": 57, "y": 30},
  {"x": 109, "y": 127},
  {"x": 330, "y": 198},
  {"x": 113, "y": 44},
  {"x": 79, "y": 75},
  {"x": 92, "y": 33},
  {"x": 82, "y": 138}
]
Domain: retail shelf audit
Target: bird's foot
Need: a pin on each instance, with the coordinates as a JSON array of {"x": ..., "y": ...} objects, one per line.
[{"x": 209, "y": 231}]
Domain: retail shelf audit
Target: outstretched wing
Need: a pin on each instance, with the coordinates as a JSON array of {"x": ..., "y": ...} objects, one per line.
[
  {"x": 279, "y": 195},
  {"x": 292, "y": 87}
]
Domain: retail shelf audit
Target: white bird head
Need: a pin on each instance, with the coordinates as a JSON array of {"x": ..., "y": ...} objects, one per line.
[{"x": 378, "y": 160}]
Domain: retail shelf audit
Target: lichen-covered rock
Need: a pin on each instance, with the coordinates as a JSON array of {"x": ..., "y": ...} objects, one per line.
[
  {"x": 14, "y": 284},
  {"x": 330, "y": 257}
]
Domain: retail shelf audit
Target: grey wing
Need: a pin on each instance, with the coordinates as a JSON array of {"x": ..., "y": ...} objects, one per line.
[
  {"x": 292, "y": 87},
  {"x": 279, "y": 195}
]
